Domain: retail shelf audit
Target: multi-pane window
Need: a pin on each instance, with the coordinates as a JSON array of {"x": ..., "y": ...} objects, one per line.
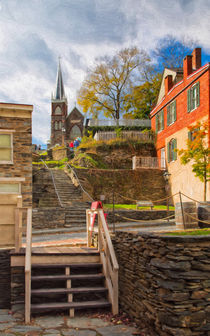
[
  {"x": 193, "y": 97},
  {"x": 159, "y": 119},
  {"x": 171, "y": 149},
  {"x": 6, "y": 155},
  {"x": 171, "y": 113},
  {"x": 58, "y": 125}
]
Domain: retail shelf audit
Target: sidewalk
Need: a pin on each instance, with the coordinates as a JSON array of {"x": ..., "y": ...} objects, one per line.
[{"x": 13, "y": 325}]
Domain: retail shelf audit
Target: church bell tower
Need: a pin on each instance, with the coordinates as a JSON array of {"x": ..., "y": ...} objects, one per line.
[{"x": 59, "y": 111}]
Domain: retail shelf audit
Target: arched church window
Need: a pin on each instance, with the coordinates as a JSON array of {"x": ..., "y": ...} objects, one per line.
[
  {"x": 75, "y": 132},
  {"x": 58, "y": 110},
  {"x": 56, "y": 125},
  {"x": 59, "y": 125}
]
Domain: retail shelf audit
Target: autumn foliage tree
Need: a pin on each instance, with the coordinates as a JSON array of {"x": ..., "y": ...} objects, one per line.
[
  {"x": 106, "y": 86},
  {"x": 198, "y": 152}
]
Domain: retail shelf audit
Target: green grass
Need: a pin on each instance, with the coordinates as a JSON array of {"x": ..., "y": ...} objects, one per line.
[
  {"x": 133, "y": 207},
  {"x": 200, "y": 232}
]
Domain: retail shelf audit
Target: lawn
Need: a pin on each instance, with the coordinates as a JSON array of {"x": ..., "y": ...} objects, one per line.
[
  {"x": 199, "y": 232},
  {"x": 133, "y": 207}
]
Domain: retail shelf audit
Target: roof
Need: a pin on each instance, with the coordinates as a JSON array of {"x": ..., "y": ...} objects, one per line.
[{"x": 59, "y": 91}]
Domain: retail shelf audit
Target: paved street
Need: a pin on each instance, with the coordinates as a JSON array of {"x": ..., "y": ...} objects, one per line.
[
  {"x": 13, "y": 325},
  {"x": 77, "y": 236}
]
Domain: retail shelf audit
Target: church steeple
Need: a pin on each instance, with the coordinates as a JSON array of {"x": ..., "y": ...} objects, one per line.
[
  {"x": 59, "y": 111},
  {"x": 59, "y": 91}
]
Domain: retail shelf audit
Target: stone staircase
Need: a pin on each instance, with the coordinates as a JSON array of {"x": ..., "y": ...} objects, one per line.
[
  {"x": 66, "y": 190},
  {"x": 73, "y": 210}
]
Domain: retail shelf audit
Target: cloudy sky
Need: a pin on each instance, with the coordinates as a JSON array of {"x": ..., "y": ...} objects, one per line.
[{"x": 34, "y": 33}]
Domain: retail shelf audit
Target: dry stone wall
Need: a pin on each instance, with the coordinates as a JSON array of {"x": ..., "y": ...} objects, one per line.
[
  {"x": 5, "y": 279},
  {"x": 128, "y": 185},
  {"x": 22, "y": 156},
  {"x": 164, "y": 282}
]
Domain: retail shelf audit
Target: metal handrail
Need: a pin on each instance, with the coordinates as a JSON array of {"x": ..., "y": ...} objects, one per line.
[
  {"x": 56, "y": 190},
  {"x": 79, "y": 182}
]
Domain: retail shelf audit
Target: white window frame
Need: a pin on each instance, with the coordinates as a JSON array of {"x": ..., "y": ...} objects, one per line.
[
  {"x": 8, "y": 132},
  {"x": 194, "y": 98},
  {"x": 171, "y": 113},
  {"x": 12, "y": 180}
]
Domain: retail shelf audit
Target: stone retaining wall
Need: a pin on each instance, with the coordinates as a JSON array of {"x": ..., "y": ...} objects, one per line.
[
  {"x": 52, "y": 218},
  {"x": 128, "y": 215},
  {"x": 5, "y": 279},
  {"x": 164, "y": 282}
]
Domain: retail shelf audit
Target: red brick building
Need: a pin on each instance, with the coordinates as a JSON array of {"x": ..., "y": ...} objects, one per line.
[{"x": 184, "y": 98}]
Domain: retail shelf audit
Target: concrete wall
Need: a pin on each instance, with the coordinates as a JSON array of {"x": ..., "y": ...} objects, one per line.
[{"x": 164, "y": 282}]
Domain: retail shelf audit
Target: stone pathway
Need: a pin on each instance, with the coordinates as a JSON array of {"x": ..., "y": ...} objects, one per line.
[{"x": 13, "y": 325}]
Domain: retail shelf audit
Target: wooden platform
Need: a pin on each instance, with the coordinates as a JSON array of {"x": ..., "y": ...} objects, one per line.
[{"x": 57, "y": 255}]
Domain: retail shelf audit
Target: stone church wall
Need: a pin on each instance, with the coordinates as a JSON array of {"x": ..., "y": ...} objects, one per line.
[{"x": 164, "y": 282}]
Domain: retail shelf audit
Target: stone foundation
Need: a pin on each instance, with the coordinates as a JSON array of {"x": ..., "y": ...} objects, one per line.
[
  {"x": 5, "y": 279},
  {"x": 164, "y": 282}
]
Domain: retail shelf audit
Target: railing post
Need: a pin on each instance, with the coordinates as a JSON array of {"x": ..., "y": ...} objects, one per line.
[
  {"x": 18, "y": 224},
  {"x": 28, "y": 267},
  {"x": 183, "y": 219}
]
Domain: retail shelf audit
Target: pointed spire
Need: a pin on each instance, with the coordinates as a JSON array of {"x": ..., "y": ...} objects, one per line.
[{"x": 59, "y": 91}]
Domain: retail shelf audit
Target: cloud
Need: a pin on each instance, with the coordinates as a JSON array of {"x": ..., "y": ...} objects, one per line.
[{"x": 34, "y": 33}]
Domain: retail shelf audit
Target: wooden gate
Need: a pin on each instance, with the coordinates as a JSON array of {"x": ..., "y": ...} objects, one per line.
[{"x": 10, "y": 222}]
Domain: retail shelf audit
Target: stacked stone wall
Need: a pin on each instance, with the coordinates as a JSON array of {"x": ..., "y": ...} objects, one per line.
[
  {"x": 128, "y": 185},
  {"x": 5, "y": 279},
  {"x": 164, "y": 282},
  {"x": 22, "y": 155}
]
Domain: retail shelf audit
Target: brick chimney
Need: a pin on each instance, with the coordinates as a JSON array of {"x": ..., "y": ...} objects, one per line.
[
  {"x": 196, "y": 58},
  {"x": 168, "y": 83},
  {"x": 187, "y": 65}
]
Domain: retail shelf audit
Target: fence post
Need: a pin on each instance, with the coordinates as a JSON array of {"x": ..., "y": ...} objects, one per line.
[
  {"x": 113, "y": 210},
  {"x": 183, "y": 219}
]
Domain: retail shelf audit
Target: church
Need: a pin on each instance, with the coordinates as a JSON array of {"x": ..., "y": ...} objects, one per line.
[{"x": 64, "y": 127}]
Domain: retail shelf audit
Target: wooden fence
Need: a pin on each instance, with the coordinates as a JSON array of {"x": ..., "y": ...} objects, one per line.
[
  {"x": 148, "y": 162},
  {"x": 134, "y": 135},
  {"x": 120, "y": 122}
]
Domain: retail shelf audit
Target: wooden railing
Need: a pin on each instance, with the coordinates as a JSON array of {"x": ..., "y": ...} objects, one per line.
[
  {"x": 133, "y": 135},
  {"x": 148, "y": 162},
  {"x": 28, "y": 267},
  {"x": 107, "y": 256}
]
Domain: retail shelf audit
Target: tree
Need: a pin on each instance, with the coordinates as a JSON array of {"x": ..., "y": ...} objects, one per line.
[
  {"x": 143, "y": 97},
  {"x": 107, "y": 85},
  {"x": 171, "y": 51},
  {"x": 198, "y": 151}
]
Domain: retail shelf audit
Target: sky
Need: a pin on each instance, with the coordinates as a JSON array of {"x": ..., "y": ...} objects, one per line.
[{"x": 34, "y": 33}]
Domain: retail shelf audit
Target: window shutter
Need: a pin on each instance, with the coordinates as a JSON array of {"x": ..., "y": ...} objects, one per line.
[
  {"x": 174, "y": 149},
  {"x": 190, "y": 136},
  {"x": 168, "y": 151},
  {"x": 174, "y": 116},
  {"x": 162, "y": 119},
  {"x": 197, "y": 94},
  {"x": 188, "y": 100},
  {"x": 168, "y": 115}
]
